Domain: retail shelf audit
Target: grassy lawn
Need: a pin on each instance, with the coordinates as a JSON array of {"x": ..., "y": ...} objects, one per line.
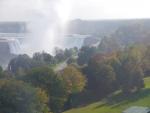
[{"x": 117, "y": 102}]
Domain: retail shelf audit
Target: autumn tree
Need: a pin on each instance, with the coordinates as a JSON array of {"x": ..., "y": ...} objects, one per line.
[{"x": 74, "y": 81}]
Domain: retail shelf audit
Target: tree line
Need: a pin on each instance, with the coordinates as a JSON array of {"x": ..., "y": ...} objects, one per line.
[{"x": 30, "y": 84}]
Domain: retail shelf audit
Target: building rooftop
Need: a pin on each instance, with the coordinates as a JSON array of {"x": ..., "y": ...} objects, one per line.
[
  {"x": 13, "y": 27},
  {"x": 137, "y": 109}
]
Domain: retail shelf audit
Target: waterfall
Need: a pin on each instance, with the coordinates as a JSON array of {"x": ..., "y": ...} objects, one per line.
[
  {"x": 14, "y": 46},
  {"x": 70, "y": 41},
  {"x": 46, "y": 22}
]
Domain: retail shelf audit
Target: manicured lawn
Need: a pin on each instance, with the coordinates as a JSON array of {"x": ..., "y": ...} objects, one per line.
[{"x": 118, "y": 102}]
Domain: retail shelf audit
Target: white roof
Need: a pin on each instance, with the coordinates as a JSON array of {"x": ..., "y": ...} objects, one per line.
[{"x": 137, "y": 109}]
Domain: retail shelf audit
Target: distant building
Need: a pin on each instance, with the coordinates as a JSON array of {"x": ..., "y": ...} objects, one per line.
[{"x": 137, "y": 109}]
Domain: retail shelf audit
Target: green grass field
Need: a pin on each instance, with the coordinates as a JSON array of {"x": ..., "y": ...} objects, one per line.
[{"x": 117, "y": 102}]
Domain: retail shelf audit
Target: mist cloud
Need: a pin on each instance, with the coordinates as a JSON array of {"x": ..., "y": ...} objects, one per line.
[{"x": 42, "y": 20}]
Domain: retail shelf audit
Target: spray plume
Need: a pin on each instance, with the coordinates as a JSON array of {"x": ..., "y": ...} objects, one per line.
[{"x": 45, "y": 20}]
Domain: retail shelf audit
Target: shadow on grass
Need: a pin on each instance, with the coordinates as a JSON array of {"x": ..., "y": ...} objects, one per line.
[
  {"x": 120, "y": 99},
  {"x": 85, "y": 98},
  {"x": 100, "y": 105}
]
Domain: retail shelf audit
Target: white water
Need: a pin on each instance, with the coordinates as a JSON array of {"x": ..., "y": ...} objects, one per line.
[
  {"x": 46, "y": 21},
  {"x": 70, "y": 41},
  {"x": 14, "y": 45}
]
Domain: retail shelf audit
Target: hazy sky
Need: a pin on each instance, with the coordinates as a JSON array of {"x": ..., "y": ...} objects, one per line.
[
  {"x": 108, "y": 9},
  {"x": 84, "y": 9}
]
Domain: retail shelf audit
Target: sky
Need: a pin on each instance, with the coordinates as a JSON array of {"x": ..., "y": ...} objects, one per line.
[
  {"x": 109, "y": 9},
  {"x": 77, "y": 9},
  {"x": 47, "y": 19}
]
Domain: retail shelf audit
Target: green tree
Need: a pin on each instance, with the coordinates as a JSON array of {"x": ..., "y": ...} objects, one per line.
[
  {"x": 43, "y": 58},
  {"x": 60, "y": 55},
  {"x": 109, "y": 44},
  {"x": 71, "y": 60},
  {"x": 19, "y": 97},
  {"x": 101, "y": 77},
  {"x": 146, "y": 62},
  {"x": 85, "y": 54},
  {"x": 22, "y": 62},
  {"x": 45, "y": 78},
  {"x": 1, "y": 72},
  {"x": 131, "y": 74}
]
